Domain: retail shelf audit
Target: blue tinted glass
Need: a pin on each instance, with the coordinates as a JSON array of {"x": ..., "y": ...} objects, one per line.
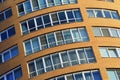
[
  {"x": 51, "y": 40},
  {"x": 42, "y": 4},
  {"x": 21, "y": 10},
  {"x": 46, "y": 19},
  {"x": 2, "y": 78},
  {"x": 28, "y": 47},
  {"x": 31, "y": 24},
  {"x": 65, "y": 1},
  {"x": 88, "y": 76},
  {"x": 62, "y": 17},
  {"x": 18, "y": 73},
  {"x": 70, "y": 16},
  {"x": 8, "y": 13},
  {"x": 96, "y": 75},
  {"x": 27, "y": 7},
  {"x": 6, "y": 56},
  {"x": 0, "y": 58},
  {"x": 35, "y": 44},
  {"x": 24, "y": 28},
  {"x": 14, "y": 51},
  {"x": 58, "y": 2},
  {"x": 39, "y": 23},
  {"x": 11, "y": 31},
  {"x": 9, "y": 76},
  {"x": 1, "y": 17},
  {"x": 84, "y": 34},
  {"x": 107, "y": 14},
  {"x": 78, "y": 15},
  {"x": 61, "y": 78},
  {"x": 3, "y": 36},
  {"x": 67, "y": 36},
  {"x": 115, "y": 15},
  {"x": 50, "y": 2},
  {"x": 98, "y": 13},
  {"x": 79, "y": 76}
]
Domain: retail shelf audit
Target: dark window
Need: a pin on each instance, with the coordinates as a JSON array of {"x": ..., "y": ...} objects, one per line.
[
  {"x": 35, "y": 4},
  {"x": 107, "y": 14},
  {"x": 0, "y": 58},
  {"x": 24, "y": 28},
  {"x": 39, "y": 23},
  {"x": 46, "y": 19},
  {"x": 21, "y": 10},
  {"x": 8, "y": 13},
  {"x": 62, "y": 17},
  {"x": 3, "y": 35},
  {"x": 18, "y": 73},
  {"x": 54, "y": 19},
  {"x": 32, "y": 69},
  {"x": 11, "y": 31},
  {"x": 78, "y": 15},
  {"x": 1, "y": 17},
  {"x": 98, "y": 13},
  {"x": 31, "y": 24},
  {"x": 70, "y": 16},
  {"x": 14, "y": 52}
]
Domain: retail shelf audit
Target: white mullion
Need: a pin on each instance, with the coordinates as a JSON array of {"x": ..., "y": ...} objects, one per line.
[
  {"x": 66, "y": 16},
  {"x": 61, "y": 63},
  {"x": 35, "y": 67},
  {"x": 107, "y": 52},
  {"x": 27, "y": 26},
  {"x": 50, "y": 19},
  {"x": 102, "y": 10},
  {"x": 42, "y": 21},
  {"x": 91, "y": 72},
  {"x": 55, "y": 38},
  {"x": 7, "y": 33},
  {"x": 39, "y": 43},
  {"x": 31, "y": 5},
  {"x": 31, "y": 45},
  {"x": 35, "y": 23},
  {"x": 109, "y": 30},
  {"x": 83, "y": 74},
  {"x": 24, "y": 7},
  {"x": 58, "y": 17},
  {"x": 72, "y": 35},
  {"x": 80, "y": 33},
  {"x": 118, "y": 53},
  {"x": 69, "y": 58},
  {"x": 52, "y": 61},
  {"x": 46, "y": 3},
  {"x": 13, "y": 75},
  {"x": 116, "y": 74},
  {"x": 44, "y": 65},
  {"x": 111, "y": 14},
  {"x": 78, "y": 55},
  {"x": 73, "y": 15},
  {"x": 39, "y": 4},
  {"x": 86, "y": 55},
  {"x": 101, "y": 31},
  {"x": 46, "y": 35}
]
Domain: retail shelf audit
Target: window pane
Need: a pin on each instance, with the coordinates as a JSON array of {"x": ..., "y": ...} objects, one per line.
[
  {"x": 90, "y": 13},
  {"x": 43, "y": 41},
  {"x": 114, "y": 32},
  {"x": 97, "y": 31},
  {"x": 118, "y": 73},
  {"x": 2, "y": 78},
  {"x": 42, "y": 4},
  {"x": 1, "y": 17},
  {"x": 58, "y": 2},
  {"x": 39, "y": 23},
  {"x": 61, "y": 78},
  {"x": 32, "y": 70},
  {"x": 59, "y": 37},
  {"x": 65, "y": 1},
  {"x": 28, "y": 48},
  {"x": 111, "y": 75},
  {"x": 35, "y": 4},
  {"x": 96, "y": 75},
  {"x": 6, "y": 56},
  {"x": 84, "y": 34},
  {"x": 62, "y": 17},
  {"x": 51, "y": 40},
  {"x": 11, "y": 31},
  {"x": 46, "y": 19},
  {"x": 14, "y": 51},
  {"x": 67, "y": 36},
  {"x": 78, "y": 15},
  {"x": 98, "y": 13},
  {"x": 103, "y": 52},
  {"x": 54, "y": 18},
  {"x": 8, "y": 13},
  {"x": 69, "y": 77},
  {"x": 24, "y": 28},
  {"x": 73, "y": 1},
  {"x": 35, "y": 44},
  {"x": 4, "y": 36},
  {"x": 88, "y": 76},
  {"x": 18, "y": 73},
  {"x": 21, "y": 9},
  {"x": 107, "y": 14},
  {"x": 115, "y": 15},
  {"x": 50, "y": 3},
  {"x": 76, "y": 35},
  {"x": 9, "y": 76},
  {"x": 70, "y": 16},
  {"x": 79, "y": 76},
  {"x": 27, "y": 7},
  {"x": 0, "y": 58},
  {"x": 113, "y": 53},
  {"x": 105, "y": 32},
  {"x": 31, "y": 25}
]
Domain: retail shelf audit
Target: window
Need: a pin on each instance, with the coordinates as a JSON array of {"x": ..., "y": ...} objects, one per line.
[
  {"x": 54, "y": 39},
  {"x": 50, "y": 19},
  {"x": 113, "y": 74},
  {"x": 98, "y": 13},
  {"x": 91, "y": 13},
  {"x": 7, "y": 33},
  {"x": 14, "y": 74},
  {"x": 21, "y": 9},
  {"x": 50, "y": 2},
  {"x": 109, "y": 52},
  {"x": 84, "y": 75},
  {"x": 60, "y": 60},
  {"x": 27, "y": 7},
  {"x": 97, "y": 31},
  {"x": 35, "y": 5},
  {"x": 8, "y": 13},
  {"x": 115, "y": 15},
  {"x": 107, "y": 14},
  {"x": 1, "y": 1}
]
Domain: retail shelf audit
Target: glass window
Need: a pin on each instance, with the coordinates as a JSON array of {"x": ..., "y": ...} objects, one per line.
[
  {"x": 65, "y": 59},
  {"x": 114, "y": 32},
  {"x": 35, "y": 44},
  {"x": 46, "y": 19},
  {"x": 59, "y": 38},
  {"x": 73, "y": 1},
  {"x": 112, "y": 52},
  {"x": 27, "y": 7},
  {"x": 105, "y": 32},
  {"x": 58, "y": 2},
  {"x": 98, "y": 13},
  {"x": 103, "y": 52},
  {"x": 4, "y": 36},
  {"x": 90, "y": 13},
  {"x": 18, "y": 73},
  {"x": 54, "y": 18},
  {"x": 8, "y": 13},
  {"x": 83, "y": 34},
  {"x": 70, "y": 77},
  {"x": 21, "y": 10},
  {"x": 42, "y": 4},
  {"x": 78, "y": 15},
  {"x": 28, "y": 47},
  {"x": 2, "y": 78},
  {"x": 76, "y": 36},
  {"x": 65, "y": 1},
  {"x": 1, "y": 17},
  {"x": 9, "y": 76},
  {"x": 39, "y": 23},
  {"x": 61, "y": 78},
  {"x": 118, "y": 73},
  {"x": 14, "y": 51},
  {"x": 107, "y": 14},
  {"x": 11, "y": 31},
  {"x": 24, "y": 28},
  {"x": 70, "y": 16},
  {"x": 73, "y": 57},
  {"x": 35, "y": 5},
  {"x": 62, "y": 17},
  {"x": 48, "y": 63},
  {"x": 40, "y": 67},
  {"x": 56, "y": 61},
  {"x": 96, "y": 75},
  {"x": 79, "y": 76},
  {"x": 50, "y": 3},
  {"x": 51, "y": 39},
  {"x": 43, "y": 41},
  {"x": 88, "y": 76},
  {"x": 67, "y": 36},
  {"x": 6, "y": 56},
  {"x": 31, "y": 25},
  {"x": 112, "y": 75},
  {"x": 97, "y": 31},
  {"x": 0, "y": 58},
  {"x": 115, "y": 15},
  {"x": 32, "y": 69}
]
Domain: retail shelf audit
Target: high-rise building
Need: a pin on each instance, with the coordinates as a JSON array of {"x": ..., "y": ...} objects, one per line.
[{"x": 59, "y": 40}]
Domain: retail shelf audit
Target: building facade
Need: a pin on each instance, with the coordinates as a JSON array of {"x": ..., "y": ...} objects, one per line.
[{"x": 59, "y": 40}]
